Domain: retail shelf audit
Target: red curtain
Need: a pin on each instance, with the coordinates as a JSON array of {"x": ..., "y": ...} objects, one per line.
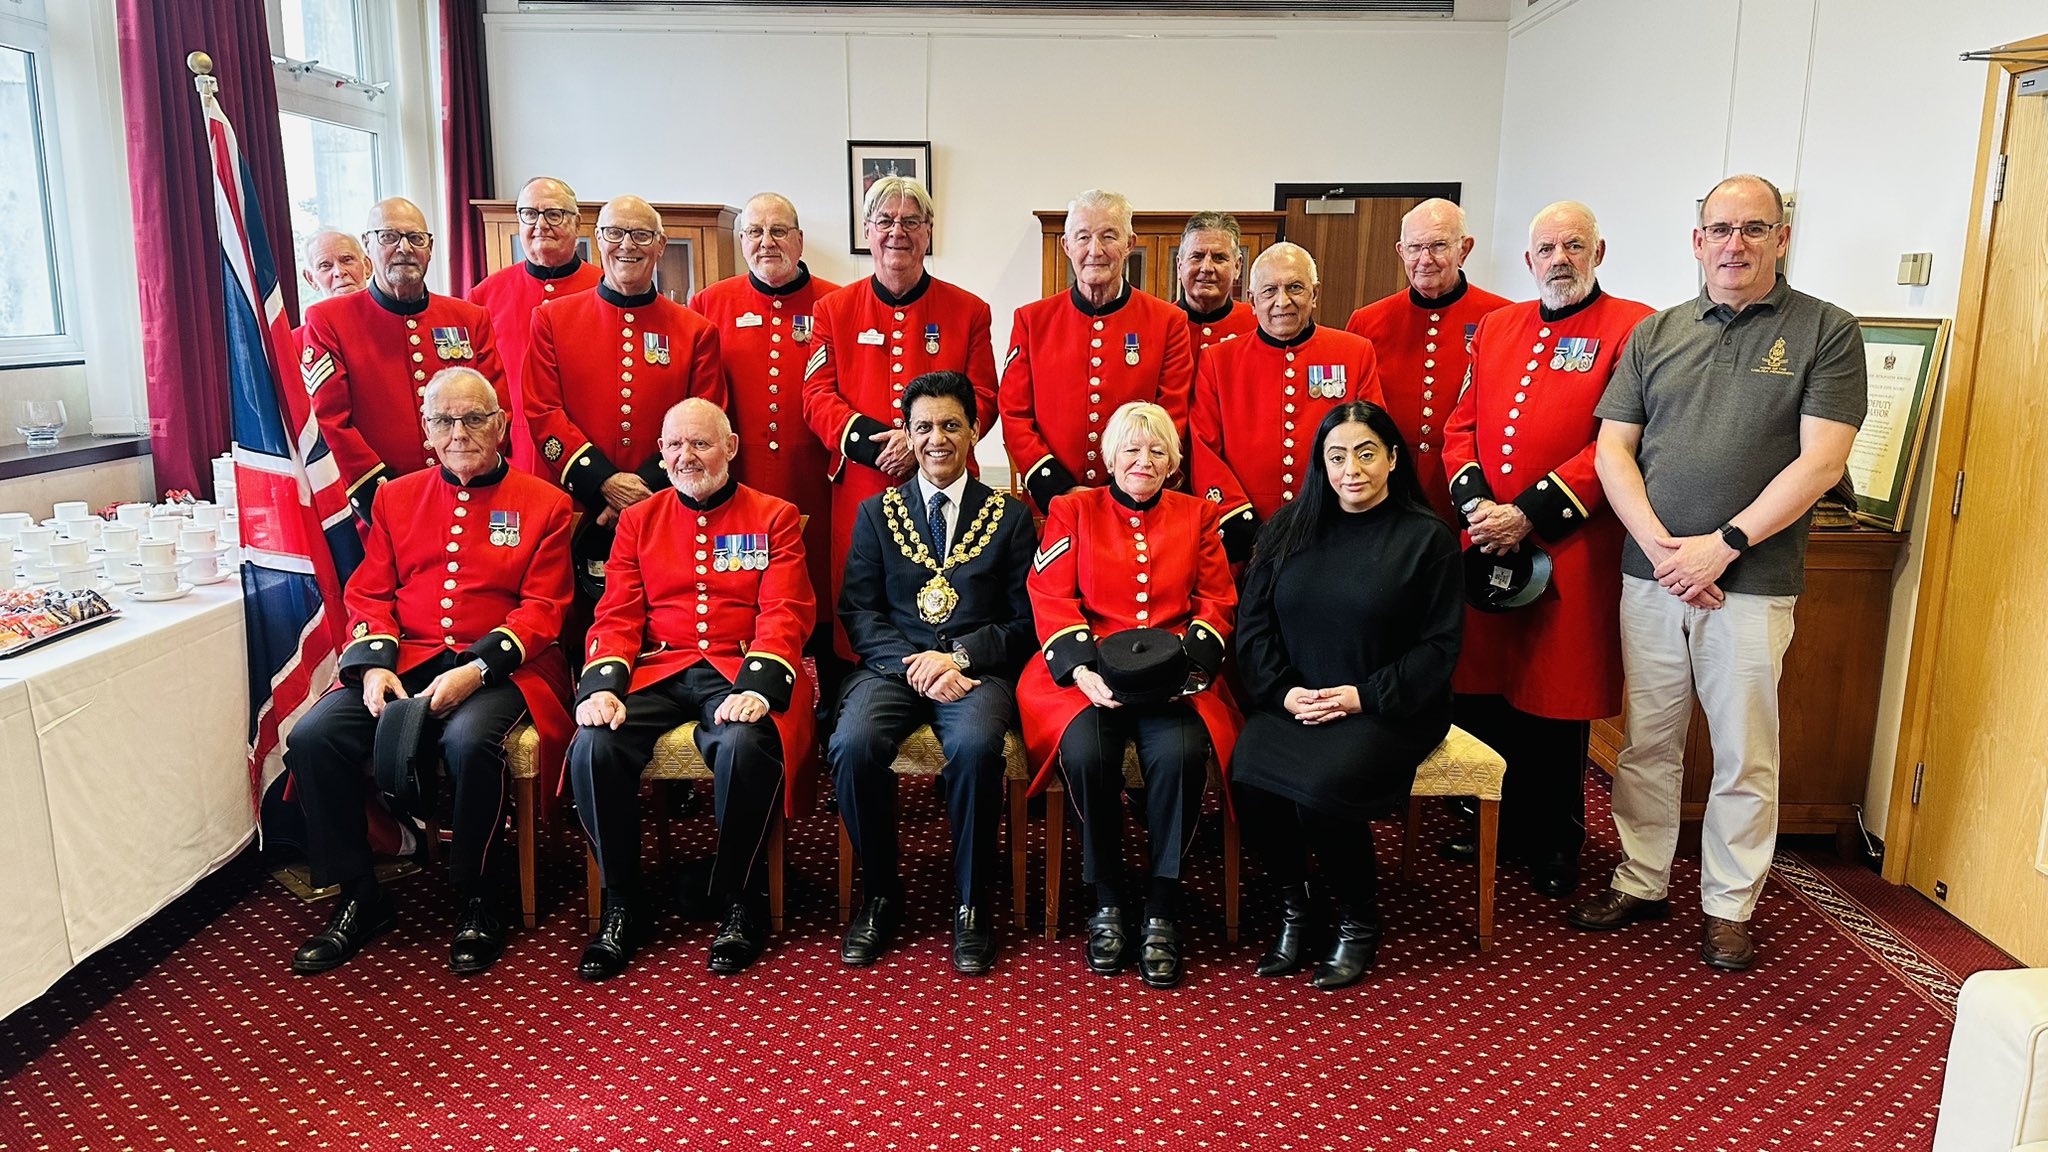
[
  {"x": 177, "y": 250},
  {"x": 465, "y": 142}
]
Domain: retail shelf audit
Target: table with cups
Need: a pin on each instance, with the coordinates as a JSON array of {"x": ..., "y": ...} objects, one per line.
[{"x": 124, "y": 777}]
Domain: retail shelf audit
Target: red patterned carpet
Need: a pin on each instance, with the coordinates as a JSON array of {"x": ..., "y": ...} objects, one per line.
[{"x": 192, "y": 1034}]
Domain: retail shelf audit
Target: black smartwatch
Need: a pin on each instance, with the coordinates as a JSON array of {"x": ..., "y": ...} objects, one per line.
[{"x": 1736, "y": 538}]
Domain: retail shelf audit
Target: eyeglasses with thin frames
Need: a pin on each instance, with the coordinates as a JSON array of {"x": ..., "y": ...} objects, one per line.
[
  {"x": 897, "y": 223},
  {"x": 473, "y": 421},
  {"x": 389, "y": 237},
  {"x": 611, "y": 234},
  {"x": 1754, "y": 230},
  {"x": 554, "y": 216},
  {"x": 755, "y": 232}
]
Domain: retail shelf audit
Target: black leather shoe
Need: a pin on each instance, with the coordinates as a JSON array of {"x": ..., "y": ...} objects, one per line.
[
  {"x": 354, "y": 924},
  {"x": 479, "y": 938},
  {"x": 1159, "y": 963},
  {"x": 872, "y": 930},
  {"x": 1463, "y": 848},
  {"x": 1108, "y": 945},
  {"x": 1555, "y": 874},
  {"x": 1351, "y": 957},
  {"x": 612, "y": 948},
  {"x": 739, "y": 940},
  {"x": 1297, "y": 916},
  {"x": 974, "y": 941}
]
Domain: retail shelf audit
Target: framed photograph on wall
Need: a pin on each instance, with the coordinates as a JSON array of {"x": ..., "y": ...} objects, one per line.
[
  {"x": 1904, "y": 361},
  {"x": 869, "y": 160}
]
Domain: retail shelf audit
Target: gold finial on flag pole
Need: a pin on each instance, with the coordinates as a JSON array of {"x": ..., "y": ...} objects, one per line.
[{"x": 202, "y": 73}]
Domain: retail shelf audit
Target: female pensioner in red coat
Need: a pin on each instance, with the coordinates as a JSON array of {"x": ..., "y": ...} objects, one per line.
[
  {"x": 1353, "y": 609},
  {"x": 1133, "y": 601}
]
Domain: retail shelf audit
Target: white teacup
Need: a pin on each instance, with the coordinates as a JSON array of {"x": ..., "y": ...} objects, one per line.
[
  {"x": 202, "y": 567},
  {"x": 71, "y": 510},
  {"x": 207, "y": 515},
  {"x": 36, "y": 541},
  {"x": 159, "y": 581},
  {"x": 11, "y": 577},
  {"x": 88, "y": 529},
  {"x": 11, "y": 523},
  {"x": 119, "y": 570},
  {"x": 163, "y": 527},
  {"x": 74, "y": 580},
  {"x": 135, "y": 514},
  {"x": 70, "y": 551},
  {"x": 158, "y": 553},
  {"x": 120, "y": 539},
  {"x": 196, "y": 540}
]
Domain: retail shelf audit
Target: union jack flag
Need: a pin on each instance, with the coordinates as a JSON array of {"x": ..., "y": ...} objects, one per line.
[{"x": 299, "y": 541}]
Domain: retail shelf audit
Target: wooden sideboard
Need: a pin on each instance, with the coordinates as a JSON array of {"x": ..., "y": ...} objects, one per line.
[
  {"x": 1152, "y": 265},
  {"x": 1827, "y": 696}
]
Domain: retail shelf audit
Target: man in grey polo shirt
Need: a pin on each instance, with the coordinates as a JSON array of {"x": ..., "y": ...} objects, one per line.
[{"x": 1727, "y": 418}]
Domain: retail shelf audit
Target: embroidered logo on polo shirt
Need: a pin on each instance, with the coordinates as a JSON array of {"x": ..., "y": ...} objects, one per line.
[{"x": 1774, "y": 361}]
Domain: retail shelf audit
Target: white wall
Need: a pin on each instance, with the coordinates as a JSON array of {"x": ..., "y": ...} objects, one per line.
[
  {"x": 1858, "y": 109},
  {"x": 1022, "y": 114}
]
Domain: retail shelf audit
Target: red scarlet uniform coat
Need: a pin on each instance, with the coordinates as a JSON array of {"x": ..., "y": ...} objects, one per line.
[
  {"x": 1105, "y": 565},
  {"x": 510, "y": 295},
  {"x": 1524, "y": 432},
  {"x": 366, "y": 360},
  {"x": 1208, "y": 329},
  {"x": 1071, "y": 365},
  {"x": 482, "y": 569},
  {"x": 764, "y": 337},
  {"x": 1257, "y": 404},
  {"x": 868, "y": 345},
  {"x": 725, "y": 585},
  {"x": 1423, "y": 347},
  {"x": 601, "y": 371}
]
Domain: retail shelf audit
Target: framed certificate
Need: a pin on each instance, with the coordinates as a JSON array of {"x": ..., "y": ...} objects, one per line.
[{"x": 1904, "y": 361}]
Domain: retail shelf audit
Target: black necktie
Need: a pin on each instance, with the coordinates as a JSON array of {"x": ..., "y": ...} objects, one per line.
[{"x": 938, "y": 523}]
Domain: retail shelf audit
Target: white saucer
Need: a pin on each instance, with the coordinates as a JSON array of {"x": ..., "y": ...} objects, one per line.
[
  {"x": 153, "y": 597},
  {"x": 216, "y": 578}
]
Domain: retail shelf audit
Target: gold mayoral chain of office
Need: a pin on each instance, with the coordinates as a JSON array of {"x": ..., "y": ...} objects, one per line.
[{"x": 937, "y": 599}]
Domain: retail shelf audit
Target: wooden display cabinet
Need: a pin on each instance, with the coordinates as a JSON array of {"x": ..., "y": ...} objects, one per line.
[
  {"x": 700, "y": 248},
  {"x": 1153, "y": 260},
  {"x": 1827, "y": 694}
]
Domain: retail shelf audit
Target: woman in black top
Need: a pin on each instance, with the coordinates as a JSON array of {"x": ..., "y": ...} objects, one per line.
[{"x": 1347, "y": 634}]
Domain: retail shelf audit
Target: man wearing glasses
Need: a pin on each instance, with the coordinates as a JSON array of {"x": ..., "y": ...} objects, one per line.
[
  {"x": 602, "y": 368},
  {"x": 766, "y": 319},
  {"x": 871, "y": 340},
  {"x": 1727, "y": 417},
  {"x": 366, "y": 356},
  {"x": 1423, "y": 336},
  {"x": 458, "y": 600},
  {"x": 1258, "y": 399},
  {"x": 1076, "y": 358},
  {"x": 548, "y": 219}
]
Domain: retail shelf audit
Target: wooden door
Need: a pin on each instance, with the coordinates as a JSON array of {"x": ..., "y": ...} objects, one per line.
[
  {"x": 1351, "y": 230},
  {"x": 1978, "y": 690}
]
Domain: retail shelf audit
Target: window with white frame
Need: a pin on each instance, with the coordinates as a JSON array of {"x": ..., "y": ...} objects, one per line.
[
  {"x": 339, "y": 125},
  {"x": 37, "y": 320}
]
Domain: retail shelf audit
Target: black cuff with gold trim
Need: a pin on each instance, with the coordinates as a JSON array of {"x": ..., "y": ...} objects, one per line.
[
  {"x": 1204, "y": 648},
  {"x": 1071, "y": 649},
  {"x": 609, "y": 674},
  {"x": 362, "y": 497},
  {"x": 770, "y": 676},
  {"x": 368, "y": 652},
  {"x": 1240, "y": 533},
  {"x": 1048, "y": 478},
  {"x": 1553, "y": 509},
  {"x": 863, "y": 443},
  {"x": 585, "y": 477},
  {"x": 500, "y": 650},
  {"x": 1469, "y": 485}
]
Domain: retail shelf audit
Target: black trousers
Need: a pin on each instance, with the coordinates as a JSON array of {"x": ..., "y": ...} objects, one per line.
[
  {"x": 1286, "y": 835},
  {"x": 875, "y": 714},
  {"x": 746, "y": 770},
  {"x": 1173, "y": 757},
  {"x": 328, "y": 754},
  {"x": 1543, "y": 796}
]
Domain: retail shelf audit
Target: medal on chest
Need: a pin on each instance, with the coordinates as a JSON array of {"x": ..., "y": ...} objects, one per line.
[
  {"x": 800, "y": 329},
  {"x": 655, "y": 350},
  {"x": 452, "y": 344},
  {"x": 742, "y": 552},
  {"x": 931, "y": 339},
  {"x": 937, "y": 598},
  {"x": 505, "y": 529},
  {"x": 1326, "y": 381},
  {"x": 1574, "y": 354},
  {"x": 1131, "y": 349}
]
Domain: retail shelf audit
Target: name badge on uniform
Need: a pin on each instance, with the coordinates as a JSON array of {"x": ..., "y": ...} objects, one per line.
[
  {"x": 505, "y": 529},
  {"x": 748, "y": 320},
  {"x": 800, "y": 329},
  {"x": 931, "y": 339},
  {"x": 747, "y": 552},
  {"x": 1326, "y": 381},
  {"x": 1574, "y": 354},
  {"x": 452, "y": 344},
  {"x": 1131, "y": 349},
  {"x": 656, "y": 348},
  {"x": 871, "y": 336}
]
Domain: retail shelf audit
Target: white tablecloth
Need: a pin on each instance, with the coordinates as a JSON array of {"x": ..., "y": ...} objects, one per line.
[{"x": 124, "y": 778}]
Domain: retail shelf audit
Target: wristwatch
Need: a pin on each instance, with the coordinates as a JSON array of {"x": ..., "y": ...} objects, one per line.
[
  {"x": 483, "y": 670},
  {"x": 1736, "y": 538},
  {"x": 960, "y": 660}
]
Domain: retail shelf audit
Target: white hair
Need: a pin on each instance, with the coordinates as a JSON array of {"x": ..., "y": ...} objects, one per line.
[
  {"x": 1140, "y": 416},
  {"x": 1113, "y": 203}
]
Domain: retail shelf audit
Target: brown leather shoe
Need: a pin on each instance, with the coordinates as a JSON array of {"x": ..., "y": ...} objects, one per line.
[
  {"x": 1725, "y": 944},
  {"x": 1613, "y": 909}
]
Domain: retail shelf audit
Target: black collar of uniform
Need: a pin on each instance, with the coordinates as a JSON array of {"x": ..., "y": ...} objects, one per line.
[
  {"x": 399, "y": 307},
  {"x": 1300, "y": 338},
  {"x": 1551, "y": 317},
  {"x": 797, "y": 283},
  {"x": 1774, "y": 300},
  {"x": 731, "y": 486},
  {"x": 1122, "y": 298},
  {"x": 917, "y": 291},
  {"x": 543, "y": 272},
  {"x": 1222, "y": 313},
  {"x": 618, "y": 299},
  {"x": 1443, "y": 301},
  {"x": 485, "y": 480},
  {"x": 1124, "y": 498}
]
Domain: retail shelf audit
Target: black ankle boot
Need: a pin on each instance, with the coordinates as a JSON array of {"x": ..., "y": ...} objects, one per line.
[
  {"x": 1351, "y": 956},
  {"x": 1289, "y": 951}
]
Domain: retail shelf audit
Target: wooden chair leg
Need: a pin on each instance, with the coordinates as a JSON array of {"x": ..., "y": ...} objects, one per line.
[
  {"x": 1055, "y": 851},
  {"x": 593, "y": 884},
  {"x": 1019, "y": 824},
  {"x": 1489, "y": 841},
  {"x": 1410, "y": 836},
  {"x": 845, "y": 872},
  {"x": 529, "y": 852},
  {"x": 1231, "y": 876},
  {"x": 775, "y": 854}
]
